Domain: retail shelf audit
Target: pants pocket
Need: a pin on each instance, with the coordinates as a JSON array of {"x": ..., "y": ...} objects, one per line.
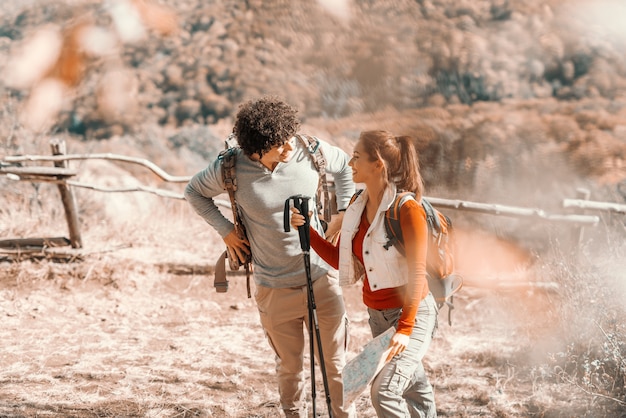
[
  {"x": 261, "y": 295},
  {"x": 400, "y": 380}
]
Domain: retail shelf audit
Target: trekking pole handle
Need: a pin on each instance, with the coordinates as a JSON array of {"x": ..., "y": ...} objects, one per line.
[{"x": 301, "y": 203}]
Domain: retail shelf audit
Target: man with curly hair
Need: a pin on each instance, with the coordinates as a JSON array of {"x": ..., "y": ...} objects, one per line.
[{"x": 271, "y": 166}]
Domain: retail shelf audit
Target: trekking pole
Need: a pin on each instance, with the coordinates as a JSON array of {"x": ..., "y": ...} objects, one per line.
[{"x": 301, "y": 203}]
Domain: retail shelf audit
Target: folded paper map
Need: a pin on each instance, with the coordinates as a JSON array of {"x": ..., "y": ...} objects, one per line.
[{"x": 362, "y": 369}]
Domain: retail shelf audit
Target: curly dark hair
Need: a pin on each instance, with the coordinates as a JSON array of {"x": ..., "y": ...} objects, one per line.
[{"x": 264, "y": 123}]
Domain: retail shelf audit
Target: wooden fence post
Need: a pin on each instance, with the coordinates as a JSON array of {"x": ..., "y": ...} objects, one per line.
[
  {"x": 582, "y": 194},
  {"x": 67, "y": 197}
]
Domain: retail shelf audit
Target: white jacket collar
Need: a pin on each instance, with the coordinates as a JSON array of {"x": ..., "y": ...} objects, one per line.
[{"x": 388, "y": 197}]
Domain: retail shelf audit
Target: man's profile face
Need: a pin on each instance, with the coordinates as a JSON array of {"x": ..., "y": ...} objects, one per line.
[{"x": 280, "y": 153}]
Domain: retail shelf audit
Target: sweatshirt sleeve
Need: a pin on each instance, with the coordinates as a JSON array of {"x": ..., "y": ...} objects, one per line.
[
  {"x": 325, "y": 249},
  {"x": 337, "y": 164},
  {"x": 201, "y": 190},
  {"x": 415, "y": 234}
]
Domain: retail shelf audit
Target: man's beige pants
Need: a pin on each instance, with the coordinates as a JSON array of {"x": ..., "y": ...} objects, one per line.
[{"x": 284, "y": 316}]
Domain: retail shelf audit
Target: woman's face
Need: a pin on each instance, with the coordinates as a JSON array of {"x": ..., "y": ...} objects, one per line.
[{"x": 363, "y": 169}]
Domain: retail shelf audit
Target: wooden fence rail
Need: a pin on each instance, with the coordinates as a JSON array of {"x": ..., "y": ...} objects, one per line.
[
  {"x": 107, "y": 156},
  {"x": 61, "y": 175},
  {"x": 594, "y": 205},
  {"x": 495, "y": 209}
]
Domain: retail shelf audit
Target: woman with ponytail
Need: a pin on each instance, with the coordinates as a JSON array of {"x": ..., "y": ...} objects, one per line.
[{"x": 395, "y": 288}]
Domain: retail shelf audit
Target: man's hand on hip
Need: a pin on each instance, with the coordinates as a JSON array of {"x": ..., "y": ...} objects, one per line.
[{"x": 237, "y": 246}]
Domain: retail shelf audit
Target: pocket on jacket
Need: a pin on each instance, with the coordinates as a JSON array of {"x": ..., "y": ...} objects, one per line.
[{"x": 390, "y": 260}]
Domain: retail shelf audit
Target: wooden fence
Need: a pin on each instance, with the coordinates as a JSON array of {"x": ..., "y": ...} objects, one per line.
[{"x": 61, "y": 175}]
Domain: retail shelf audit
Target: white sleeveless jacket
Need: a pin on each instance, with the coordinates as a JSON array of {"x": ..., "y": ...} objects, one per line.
[{"x": 385, "y": 268}]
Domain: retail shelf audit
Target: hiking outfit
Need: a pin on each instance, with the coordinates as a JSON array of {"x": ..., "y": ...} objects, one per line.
[
  {"x": 278, "y": 265},
  {"x": 395, "y": 291}
]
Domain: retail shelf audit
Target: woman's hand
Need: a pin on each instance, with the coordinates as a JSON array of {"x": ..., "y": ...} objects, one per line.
[
  {"x": 334, "y": 228},
  {"x": 397, "y": 345}
]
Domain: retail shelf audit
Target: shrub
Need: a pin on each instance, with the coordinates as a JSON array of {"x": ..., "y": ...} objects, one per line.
[{"x": 590, "y": 311}]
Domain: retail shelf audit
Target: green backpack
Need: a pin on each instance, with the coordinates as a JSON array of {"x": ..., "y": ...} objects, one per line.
[{"x": 443, "y": 280}]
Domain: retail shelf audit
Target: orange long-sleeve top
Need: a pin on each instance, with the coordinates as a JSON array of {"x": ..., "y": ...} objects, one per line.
[{"x": 415, "y": 237}]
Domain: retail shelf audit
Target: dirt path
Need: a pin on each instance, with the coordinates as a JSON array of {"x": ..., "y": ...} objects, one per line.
[{"x": 82, "y": 341}]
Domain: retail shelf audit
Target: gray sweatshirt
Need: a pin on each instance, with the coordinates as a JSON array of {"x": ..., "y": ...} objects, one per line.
[{"x": 261, "y": 194}]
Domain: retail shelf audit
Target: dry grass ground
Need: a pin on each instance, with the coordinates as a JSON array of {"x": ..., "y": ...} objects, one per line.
[
  {"x": 120, "y": 334},
  {"x": 135, "y": 328}
]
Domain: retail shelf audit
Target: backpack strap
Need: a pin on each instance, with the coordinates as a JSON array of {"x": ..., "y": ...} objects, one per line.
[
  {"x": 451, "y": 284},
  {"x": 220, "y": 282},
  {"x": 231, "y": 142},
  {"x": 440, "y": 227},
  {"x": 431, "y": 216},
  {"x": 312, "y": 144},
  {"x": 392, "y": 222},
  {"x": 229, "y": 159},
  {"x": 354, "y": 196}
]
